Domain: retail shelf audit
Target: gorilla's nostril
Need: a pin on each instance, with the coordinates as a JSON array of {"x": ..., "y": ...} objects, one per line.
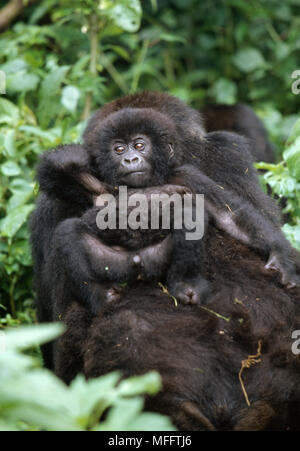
[{"x": 133, "y": 160}]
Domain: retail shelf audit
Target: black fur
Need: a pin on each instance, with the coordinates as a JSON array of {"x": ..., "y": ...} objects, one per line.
[
  {"x": 199, "y": 354},
  {"x": 240, "y": 119}
]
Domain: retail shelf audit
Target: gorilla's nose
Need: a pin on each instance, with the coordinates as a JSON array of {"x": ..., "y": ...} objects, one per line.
[{"x": 132, "y": 162}]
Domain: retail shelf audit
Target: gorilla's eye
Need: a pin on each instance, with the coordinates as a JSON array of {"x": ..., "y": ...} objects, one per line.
[
  {"x": 139, "y": 146},
  {"x": 119, "y": 149}
]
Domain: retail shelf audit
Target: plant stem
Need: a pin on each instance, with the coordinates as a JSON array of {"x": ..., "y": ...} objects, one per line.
[
  {"x": 139, "y": 65},
  {"x": 12, "y": 297},
  {"x": 113, "y": 73},
  {"x": 94, "y": 43}
]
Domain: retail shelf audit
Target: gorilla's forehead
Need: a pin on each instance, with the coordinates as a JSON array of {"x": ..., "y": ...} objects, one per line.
[{"x": 130, "y": 122}]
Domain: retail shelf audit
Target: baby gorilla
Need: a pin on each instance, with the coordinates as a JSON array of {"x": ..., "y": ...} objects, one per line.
[{"x": 124, "y": 254}]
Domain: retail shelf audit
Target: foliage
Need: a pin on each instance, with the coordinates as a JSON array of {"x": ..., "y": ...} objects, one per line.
[
  {"x": 284, "y": 179},
  {"x": 32, "y": 398}
]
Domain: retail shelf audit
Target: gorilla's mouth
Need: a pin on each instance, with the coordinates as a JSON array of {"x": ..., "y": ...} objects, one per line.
[
  {"x": 135, "y": 178},
  {"x": 133, "y": 174}
]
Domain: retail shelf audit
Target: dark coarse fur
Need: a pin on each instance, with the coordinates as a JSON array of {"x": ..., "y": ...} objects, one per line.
[
  {"x": 241, "y": 119},
  {"x": 199, "y": 354},
  {"x": 186, "y": 120},
  {"x": 218, "y": 165}
]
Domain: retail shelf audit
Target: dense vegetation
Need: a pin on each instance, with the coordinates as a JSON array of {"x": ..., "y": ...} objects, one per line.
[{"x": 62, "y": 60}]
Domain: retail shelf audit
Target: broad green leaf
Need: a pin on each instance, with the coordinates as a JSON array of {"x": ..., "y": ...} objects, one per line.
[
  {"x": 36, "y": 131},
  {"x": 225, "y": 91},
  {"x": 21, "y": 251},
  {"x": 151, "y": 422},
  {"x": 9, "y": 142},
  {"x": 292, "y": 232},
  {"x": 7, "y": 426},
  {"x": 9, "y": 113},
  {"x": 49, "y": 105},
  {"x": 248, "y": 59},
  {"x": 70, "y": 97},
  {"x": 29, "y": 336},
  {"x": 14, "y": 220},
  {"x": 10, "y": 169},
  {"x": 292, "y": 158},
  {"x": 14, "y": 66},
  {"x": 136, "y": 385},
  {"x": 122, "y": 414},
  {"x": 22, "y": 192},
  {"x": 295, "y": 132},
  {"x": 125, "y": 14},
  {"x": 22, "y": 82},
  {"x": 93, "y": 394}
]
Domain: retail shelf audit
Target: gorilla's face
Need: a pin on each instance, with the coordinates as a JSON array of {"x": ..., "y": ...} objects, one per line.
[
  {"x": 132, "y": 160},
  {"x": 134, "y": 147}
]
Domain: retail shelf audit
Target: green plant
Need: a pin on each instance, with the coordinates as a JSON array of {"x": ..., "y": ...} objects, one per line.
[
  {"x": 284, "y": 179},
  {"x": 32, "y": 398}
]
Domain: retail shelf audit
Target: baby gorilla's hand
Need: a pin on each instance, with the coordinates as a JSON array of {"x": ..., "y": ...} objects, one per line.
[
  {"x": 192, "y": 291},
  {"x": 174, "y": 189},
  {"x": 286, "y": 269},
  {"x": 113, "y": 294},
  {"x": 164, "y": 189},
  {"x": 153, "y": 260}
]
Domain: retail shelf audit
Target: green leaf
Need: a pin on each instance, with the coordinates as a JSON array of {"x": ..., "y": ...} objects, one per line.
[
  {"x": 14, "y": 66},
  {"x": 49, "y": 105},
  {"x": 293, "y": 234},
  {"x": 10, "y": 168},
  {"x": 136, "y": 385},
  {"x": 9, "y": 142},
  {"x": 122, "y": 414},
  {"x": 248, "y": 59},
  {"x": 29, "y": 336},
  {"x": 21, "y": 251},
  {"x": 9, "y": 113},
  {"x": 292, "y": 157},
  {"x": 126, "y": 14},
  {"x": 22, "y": 82},
  {"x": 36, "y": 131},
  {"x": 225, "y": 91},
  {"x": 70, "y": 97},
  {"x": 295, "y": 132},
  {"x": 14, "y": 220},
  {"x": 22, "y": 192},
  {"x": 93, "y": 395}
]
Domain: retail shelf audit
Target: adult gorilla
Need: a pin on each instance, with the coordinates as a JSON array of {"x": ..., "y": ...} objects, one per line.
[{"x": 199, "y": 350}]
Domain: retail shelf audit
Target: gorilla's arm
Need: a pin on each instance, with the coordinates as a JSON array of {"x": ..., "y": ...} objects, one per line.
[
  {"x": 237, "y": 204},
  {"x": 64, "y": 173},
  {"x": 90, "y": 263}
]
